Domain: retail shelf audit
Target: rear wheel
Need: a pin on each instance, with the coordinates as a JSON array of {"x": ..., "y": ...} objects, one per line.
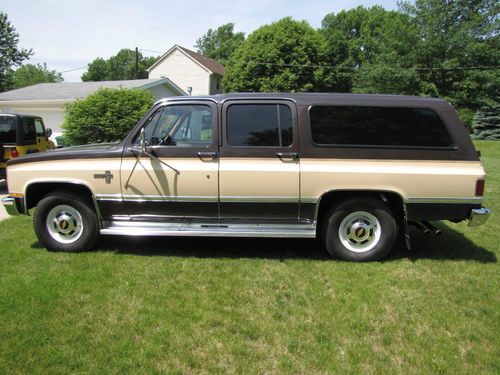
[
  {"x": 65, "y": 222},
  {"x": 360, "y": 229}
]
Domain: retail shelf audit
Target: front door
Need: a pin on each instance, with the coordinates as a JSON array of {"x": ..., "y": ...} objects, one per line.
[
  {"x": 176, "y": 178},
  {"x": 259, "y": 161}
]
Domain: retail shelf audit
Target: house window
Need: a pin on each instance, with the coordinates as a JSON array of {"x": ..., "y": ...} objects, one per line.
[{"x": 217, "y": 84}]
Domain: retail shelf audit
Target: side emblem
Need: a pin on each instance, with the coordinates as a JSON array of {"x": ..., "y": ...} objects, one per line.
[{"x": 107, "y": 176}]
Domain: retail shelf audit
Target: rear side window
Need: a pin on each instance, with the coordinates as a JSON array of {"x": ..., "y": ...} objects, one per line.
[
  {"x": 264, "y": 125},
  {"x": 378, "y": 126}
]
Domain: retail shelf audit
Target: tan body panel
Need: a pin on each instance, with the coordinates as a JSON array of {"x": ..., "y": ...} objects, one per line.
[
  {"x": 409, "y": 178},
  {"x": 197, "y": 178},
  {"x": 264, "y": 179},
  {"x": 78, "y": 171}
]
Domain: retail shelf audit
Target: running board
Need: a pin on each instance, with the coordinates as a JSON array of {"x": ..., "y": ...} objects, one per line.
[{"x": 134, "y": 228}]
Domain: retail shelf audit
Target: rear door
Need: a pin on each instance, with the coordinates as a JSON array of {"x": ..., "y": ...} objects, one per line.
[{"x": 259, "y": 161}]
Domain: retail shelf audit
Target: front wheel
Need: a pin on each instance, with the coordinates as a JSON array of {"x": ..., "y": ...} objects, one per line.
[
  {"x": 65, "y": 222},
  {"x": 361, "y": 229}
]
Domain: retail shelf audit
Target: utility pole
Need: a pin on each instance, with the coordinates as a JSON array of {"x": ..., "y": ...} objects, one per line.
[{"x": 136, "y": 63}]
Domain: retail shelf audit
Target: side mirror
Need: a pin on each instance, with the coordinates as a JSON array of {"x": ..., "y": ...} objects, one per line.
[
  {"x": 143, "y": 140},
  {"x": 48, "y": 132}
]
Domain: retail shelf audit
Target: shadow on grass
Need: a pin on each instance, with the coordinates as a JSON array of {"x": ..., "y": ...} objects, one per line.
[{"x": 451, "y": 245}]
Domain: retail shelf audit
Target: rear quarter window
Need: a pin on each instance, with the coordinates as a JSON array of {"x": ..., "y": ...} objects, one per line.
[{"x": 378, "y": 127}]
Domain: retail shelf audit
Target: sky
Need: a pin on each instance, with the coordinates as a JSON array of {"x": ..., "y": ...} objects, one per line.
[{"x": 70, "y": 34}]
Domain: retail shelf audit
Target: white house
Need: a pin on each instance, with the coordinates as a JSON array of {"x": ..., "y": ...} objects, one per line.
[
  {"x": 48, "y": 99},
  {"x": 194, "y": 73},
  {"x": 179, "y": 71}
]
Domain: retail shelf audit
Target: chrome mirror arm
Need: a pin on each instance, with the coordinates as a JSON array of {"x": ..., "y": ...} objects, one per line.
[{"x": 138, "y": 155}]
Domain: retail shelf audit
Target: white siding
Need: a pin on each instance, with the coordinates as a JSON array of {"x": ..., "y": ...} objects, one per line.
[
  {"x": 53, "y": 116},
  {"x": 161, "y": 92},
  {"x": 184, "y": 72}
]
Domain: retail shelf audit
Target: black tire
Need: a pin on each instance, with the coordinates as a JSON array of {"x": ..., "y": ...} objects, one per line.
[
  {"x": 360, "y": 229},
  {"x": 65, "y": 222}
]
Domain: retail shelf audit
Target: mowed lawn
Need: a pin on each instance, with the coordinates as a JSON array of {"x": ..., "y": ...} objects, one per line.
[{"x": 253, "y": 306}]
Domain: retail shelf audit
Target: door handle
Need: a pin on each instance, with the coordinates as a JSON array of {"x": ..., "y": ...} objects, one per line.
[
  {"x": 288, "y": 155},
  {"x": 207, "y": 155}
]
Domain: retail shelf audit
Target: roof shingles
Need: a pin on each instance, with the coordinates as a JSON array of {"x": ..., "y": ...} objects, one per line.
[
  {"x": 69, "y": 90},
  {"x": 211, "y": 64}
]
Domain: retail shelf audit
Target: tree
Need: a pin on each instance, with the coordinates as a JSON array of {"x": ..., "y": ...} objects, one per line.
[
  {"x": 10, "y": 54},
  {"x": 287, "y": 55},
  {"x": 30, "y": 74},
  {"x": 486, "y": 122},
  {"x": 96, "y": 71},
  {"x": 219, "y": 44},
  {"x": 373, "y": 48},
  {"x": 118, "y": 67},
  {"x": 458, "y": 43},
  {"x": 105, "y": 116}
]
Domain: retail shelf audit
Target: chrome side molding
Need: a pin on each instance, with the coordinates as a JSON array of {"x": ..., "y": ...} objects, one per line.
[{"x": 134, "y": 228}]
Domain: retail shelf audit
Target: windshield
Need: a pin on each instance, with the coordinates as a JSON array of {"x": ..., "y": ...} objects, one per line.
[{"x": 7, "y": 129}]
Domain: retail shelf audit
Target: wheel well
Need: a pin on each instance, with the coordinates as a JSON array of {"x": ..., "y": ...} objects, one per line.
[
  {"x": 393, "y": 200},
  {"x": 37, "y": 191}
]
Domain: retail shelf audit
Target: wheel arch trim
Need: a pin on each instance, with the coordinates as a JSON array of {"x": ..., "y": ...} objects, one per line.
[
  {"x": 62, "y": 183},
  {"x": 359, "y": 191}
]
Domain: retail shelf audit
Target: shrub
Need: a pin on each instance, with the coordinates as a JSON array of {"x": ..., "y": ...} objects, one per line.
[
  {"x": 486, "y": 122},
  {"x": 105, "y": 116}
]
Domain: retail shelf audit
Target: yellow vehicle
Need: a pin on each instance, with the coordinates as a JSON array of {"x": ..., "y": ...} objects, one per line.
[{"x": 21, "y": 135}]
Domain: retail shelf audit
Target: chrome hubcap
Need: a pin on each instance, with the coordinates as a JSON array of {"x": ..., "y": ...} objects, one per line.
[
  {"x": 64, "y": 224},
  {"x": 359, "y": 231}
]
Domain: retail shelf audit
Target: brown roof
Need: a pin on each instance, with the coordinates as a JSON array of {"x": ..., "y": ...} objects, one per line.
[{"x": 211, "y": 64}]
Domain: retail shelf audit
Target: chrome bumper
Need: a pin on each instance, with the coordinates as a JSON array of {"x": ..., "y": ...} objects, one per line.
[
  {"x": 10, "y": 205},
  {"x": 479, "y": 216}
]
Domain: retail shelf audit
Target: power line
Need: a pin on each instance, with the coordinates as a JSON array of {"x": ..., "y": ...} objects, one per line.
[
  {"x": 72, "y": 70},
  {"x": 86, "y": 66},
  {"x": 148, "y": 50},
  {"x": 336, "y": 67}
]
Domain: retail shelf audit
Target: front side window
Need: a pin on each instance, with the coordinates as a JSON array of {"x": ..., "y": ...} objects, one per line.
[
  {"x": 377, "y": 126},
  {"x": 181, "y": 126},
  {"x": 40, "y": 130},
  {"x": 264, "y": 125}
]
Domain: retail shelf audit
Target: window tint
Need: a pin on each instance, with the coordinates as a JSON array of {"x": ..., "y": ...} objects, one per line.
[
  {"x": 259, "y": 125},
  {"x": 7, "y": 129},
  {"x": 377, "y": 126},
  {"x": 40, "y": 131},
  {"x": 28, "y": 130},
  {"x": 180, "y": 125}
]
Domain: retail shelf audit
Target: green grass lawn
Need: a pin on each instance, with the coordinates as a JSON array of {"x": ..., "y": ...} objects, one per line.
[{"x": 193, "y": 305}]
